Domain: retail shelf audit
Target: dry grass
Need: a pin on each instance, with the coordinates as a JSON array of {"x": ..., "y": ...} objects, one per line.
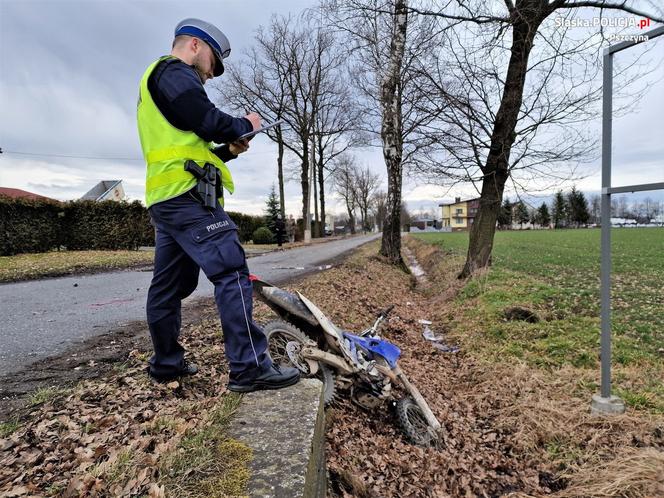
[
  {"x": 547, "y": 410},
  {"x": 632, "y": 473}
]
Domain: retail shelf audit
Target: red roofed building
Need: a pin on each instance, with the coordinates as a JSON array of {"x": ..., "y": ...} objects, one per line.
[{"x": 17, "y": 193}]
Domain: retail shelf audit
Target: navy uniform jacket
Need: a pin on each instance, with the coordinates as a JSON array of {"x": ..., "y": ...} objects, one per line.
[{"x": 178, "y": 93}]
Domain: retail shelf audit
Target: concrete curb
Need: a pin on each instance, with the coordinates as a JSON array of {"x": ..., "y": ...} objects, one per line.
[{"x": 286, "y": 431}]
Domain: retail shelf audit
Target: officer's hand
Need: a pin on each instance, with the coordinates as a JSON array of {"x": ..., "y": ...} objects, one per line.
[
  {"x": 255, "y": 119},
  {"x": 239, "y": 146}
]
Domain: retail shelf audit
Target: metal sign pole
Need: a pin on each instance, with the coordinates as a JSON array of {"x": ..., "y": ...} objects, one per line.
[
  {"x": 607, "y": 122},
  {"x": 605, "y": 403}
]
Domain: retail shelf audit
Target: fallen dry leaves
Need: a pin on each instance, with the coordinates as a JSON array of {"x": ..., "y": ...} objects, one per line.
[{"x": 107, "y": 437}]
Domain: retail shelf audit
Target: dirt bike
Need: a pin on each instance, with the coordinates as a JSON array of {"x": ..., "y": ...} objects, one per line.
[{"x": 364, "y": 365}]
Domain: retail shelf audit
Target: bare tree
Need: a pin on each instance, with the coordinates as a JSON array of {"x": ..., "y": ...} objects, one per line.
[
  {"x": 595, "y": 208},
  {"x": 258, "y": 83},
  {"x": 295, "y": 73},
  {"x": 366, "y": 184},
  {"x": 344, "y": 185},
  {"x": 517, "y": 110},
  {"x": 392, "y": 133},
  {"x": 648, "y": 209},
  {"x": 379, "y": 208},
  {"x": 623, "y": 210},
  {"x": 338, "y": 122},
  {"x": 405, "y": 217},
  {"x": 385, "y": 44}
]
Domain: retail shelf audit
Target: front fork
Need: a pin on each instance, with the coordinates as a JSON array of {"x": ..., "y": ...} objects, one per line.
[
  {"x": 397, "y": 375},
  {"x": 419, "y": 399}
]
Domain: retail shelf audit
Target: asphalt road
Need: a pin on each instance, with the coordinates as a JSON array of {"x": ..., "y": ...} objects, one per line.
[{"x": 41, "y": 318}]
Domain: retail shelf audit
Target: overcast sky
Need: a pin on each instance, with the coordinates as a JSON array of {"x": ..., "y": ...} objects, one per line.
[{"x": 69, "y": 73}]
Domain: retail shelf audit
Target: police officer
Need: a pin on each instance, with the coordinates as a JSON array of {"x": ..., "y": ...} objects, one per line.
[{"x": 177, "y": 124}]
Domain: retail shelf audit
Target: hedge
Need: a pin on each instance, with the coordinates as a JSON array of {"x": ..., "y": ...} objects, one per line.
[
  {"x": 43, "y": 225},
  {"x": 29, "y": 225},
  {"x": 106, "y": 225},
  {"x": 247, "y": 224}
]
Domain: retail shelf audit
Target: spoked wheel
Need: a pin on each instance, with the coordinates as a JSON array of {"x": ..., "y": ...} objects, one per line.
[
  {"x": 413, "y": 423},
  {"x": 285, "y": 342}
]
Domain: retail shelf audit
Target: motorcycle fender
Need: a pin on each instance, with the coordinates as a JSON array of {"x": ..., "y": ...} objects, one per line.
[{"x": 329, "y": 328}]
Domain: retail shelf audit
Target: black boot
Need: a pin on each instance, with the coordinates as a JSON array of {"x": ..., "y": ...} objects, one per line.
[
  {"x": 187, "y": 369},
  {"x": 275, "y": 377}
]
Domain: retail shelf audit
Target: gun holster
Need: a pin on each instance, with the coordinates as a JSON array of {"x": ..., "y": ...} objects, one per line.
[{"x": 208, "y": 183}]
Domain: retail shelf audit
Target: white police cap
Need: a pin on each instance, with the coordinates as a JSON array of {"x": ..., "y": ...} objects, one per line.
[{"x": 210, "y": 34}]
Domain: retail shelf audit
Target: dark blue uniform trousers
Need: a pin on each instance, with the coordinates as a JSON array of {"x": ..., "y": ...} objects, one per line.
[{"x": 190, "y": 237}]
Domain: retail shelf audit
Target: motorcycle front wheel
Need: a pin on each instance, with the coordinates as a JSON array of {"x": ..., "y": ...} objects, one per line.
[
  {"x": 413, "y": 423},
  {"x": 284, "y": 343}
]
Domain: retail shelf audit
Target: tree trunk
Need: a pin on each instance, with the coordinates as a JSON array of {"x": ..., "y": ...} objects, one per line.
[
  {"x": 391, "y": 241},
  {"x": 280, "y": 172},
  {"x": 496, "y": 171},
  {"x": 351, "y": 221},
  {"x": 304, "y": 182},
  {"x": 316, "y": 231},
  {"x": 392, "y": 136},
  {"x": 321, "y": 188}
]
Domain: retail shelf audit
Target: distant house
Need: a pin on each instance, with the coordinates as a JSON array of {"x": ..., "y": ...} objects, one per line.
[
  {"x": 106, "y": 190},
  {"x": 459, "y": 215},
  {"x": 17, "y": 193}
]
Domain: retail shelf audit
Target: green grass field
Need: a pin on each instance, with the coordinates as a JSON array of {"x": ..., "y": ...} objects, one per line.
[{"x": 556, "y": 273}]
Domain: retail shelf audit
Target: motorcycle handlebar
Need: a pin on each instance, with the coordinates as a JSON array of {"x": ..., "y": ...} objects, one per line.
[
  {"x": 386, "y": 311},
  {"x": 383, "y": 314}
]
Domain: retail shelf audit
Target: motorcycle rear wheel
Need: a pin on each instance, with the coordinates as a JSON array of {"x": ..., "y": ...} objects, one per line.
[
  {"x": 413, "y": 423},
  {"x": 279, "y": 334}
]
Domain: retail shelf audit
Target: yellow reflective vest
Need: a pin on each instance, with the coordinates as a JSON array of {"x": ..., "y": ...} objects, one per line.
[{"x": 166, "y": 148}]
